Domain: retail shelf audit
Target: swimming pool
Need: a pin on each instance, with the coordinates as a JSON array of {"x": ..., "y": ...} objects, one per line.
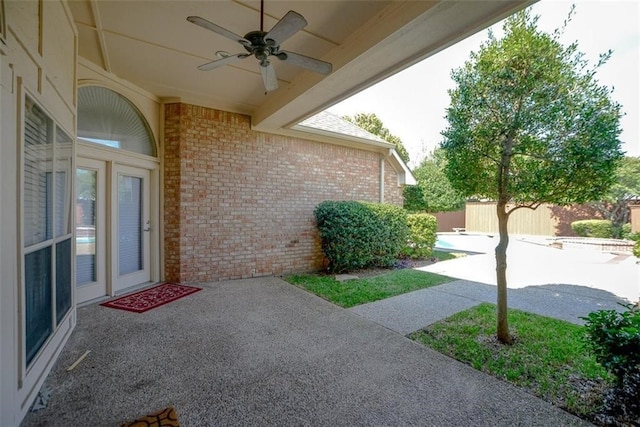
[
  {"x": 470, "y": 243},
  {"x": 443, "y": 244}
]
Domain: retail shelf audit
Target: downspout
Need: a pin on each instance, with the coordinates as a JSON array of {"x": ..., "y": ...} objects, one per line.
[
  {"x": 382, "y": 179},
  {"x": 383, "y": 158}
]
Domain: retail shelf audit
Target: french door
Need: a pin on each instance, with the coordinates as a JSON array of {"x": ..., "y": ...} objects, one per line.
[
  {"x": 113, "y": 228},
  {"x": 130, "y": 228},
  {"x": 91, "y": 214}
]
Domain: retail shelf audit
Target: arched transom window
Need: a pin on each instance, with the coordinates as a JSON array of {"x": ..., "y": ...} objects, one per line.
[{"x": 108, "y": 118}]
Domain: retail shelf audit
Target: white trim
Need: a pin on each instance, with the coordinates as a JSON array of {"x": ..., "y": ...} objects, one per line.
[
  {"x": 8, "y": 236},
  {"x": 405, "y": 176},
  {"x": 338, "y": 138},
  {"x": 102, "y": 152}
]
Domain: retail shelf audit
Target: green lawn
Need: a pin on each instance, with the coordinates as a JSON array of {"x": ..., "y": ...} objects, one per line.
[
  {"x": 548, "y": 357},
  {"x": 354, "y": 292}
]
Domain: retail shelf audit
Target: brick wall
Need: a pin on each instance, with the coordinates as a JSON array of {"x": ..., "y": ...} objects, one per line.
[
  {"x": 239, "y": 203},
  {"x": 392, "y": 192}
]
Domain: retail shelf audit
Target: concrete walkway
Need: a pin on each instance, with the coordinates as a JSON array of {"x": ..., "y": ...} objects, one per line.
[
  {"x": 564, "y": 284},
  {"x": 263, "y": 352},
  {"x": 412, "y": 311}
]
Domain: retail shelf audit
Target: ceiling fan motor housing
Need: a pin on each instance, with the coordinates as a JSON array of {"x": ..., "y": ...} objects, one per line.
[{"x": 259, "y": 47}]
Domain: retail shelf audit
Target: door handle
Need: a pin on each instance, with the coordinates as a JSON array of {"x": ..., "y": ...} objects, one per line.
[{"x": 148, "y": 227}]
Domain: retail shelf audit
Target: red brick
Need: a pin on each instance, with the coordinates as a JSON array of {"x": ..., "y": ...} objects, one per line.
[{"x": 239, "y": 203}]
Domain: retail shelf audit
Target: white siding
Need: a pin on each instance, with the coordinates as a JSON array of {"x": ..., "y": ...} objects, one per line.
[{"x": 38, "y": 58}]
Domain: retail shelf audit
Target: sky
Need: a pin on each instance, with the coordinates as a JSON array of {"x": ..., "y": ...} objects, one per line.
[{"x": 412, "y": 104}]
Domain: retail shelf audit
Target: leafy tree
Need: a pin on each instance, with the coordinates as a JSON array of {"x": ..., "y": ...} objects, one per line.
[
  {"x": 615, "y": 205},
  {"x": 86, "y": 184},
  {"x": 529, "y": 124},
  {"x": 434, "y": 192},
  {"x": 371, "y": 123}
]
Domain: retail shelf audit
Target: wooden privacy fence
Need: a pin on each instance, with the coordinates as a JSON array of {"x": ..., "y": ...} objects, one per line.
[
  {"x": 447, "y": 221},
  {"x": 635, "y": 217},
  {"x": 547, "y": 220}
]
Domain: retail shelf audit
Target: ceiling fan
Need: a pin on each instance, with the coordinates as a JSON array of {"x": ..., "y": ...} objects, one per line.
[{"x": 262, "y": 45}]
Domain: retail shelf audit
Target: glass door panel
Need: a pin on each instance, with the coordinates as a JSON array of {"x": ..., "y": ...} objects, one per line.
[
  {"x": 90, "y": 230},
  {"x": 86, "y": 226},
  {"x": 131, "y": 228}
]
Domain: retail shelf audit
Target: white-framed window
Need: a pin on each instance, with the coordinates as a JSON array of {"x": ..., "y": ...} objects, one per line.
[
  {"x": 107, "y": 118},
  {"x": 46, "y": 228}
]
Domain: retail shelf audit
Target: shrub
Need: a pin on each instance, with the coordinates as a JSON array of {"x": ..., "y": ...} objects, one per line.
[
  {"x": 413, "y": 198},
  {"x": 391, "y": 234},
  {"x": 636, "y": 238},
  {"x": 359, "y": 235},
  {"x": 593, "y": 228},
  {"x": 422, "y": 235},
  {"x": 614, "y": 338},
  {"x": 625, "y": 231}
]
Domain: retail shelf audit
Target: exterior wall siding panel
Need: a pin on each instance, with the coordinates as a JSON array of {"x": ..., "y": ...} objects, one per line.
[{"x": 37, "y": 61}]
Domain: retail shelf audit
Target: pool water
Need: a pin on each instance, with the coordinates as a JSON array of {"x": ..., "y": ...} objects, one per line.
[{"x": 443, "y": 244}]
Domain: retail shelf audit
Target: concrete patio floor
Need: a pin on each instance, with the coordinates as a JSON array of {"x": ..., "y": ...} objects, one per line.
[{"x": 262, "y": 352}]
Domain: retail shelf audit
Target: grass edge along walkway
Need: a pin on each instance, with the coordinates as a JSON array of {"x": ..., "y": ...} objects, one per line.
[
  {"x": 361, "y": 291},
  {"x": 548, "y": 358}
]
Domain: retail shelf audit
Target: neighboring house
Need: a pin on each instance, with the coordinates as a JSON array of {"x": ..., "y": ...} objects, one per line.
[{"x": 121, "y": 164}]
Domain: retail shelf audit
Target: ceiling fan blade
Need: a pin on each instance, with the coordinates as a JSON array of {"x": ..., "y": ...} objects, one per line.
[
  {"x": 220, "y": 62},
  {"x": 268, "y": 76},
  {"x": 290, "y": 24},
  {"x": 207, "y": 25},
  {"x": 307, "y": 62}
]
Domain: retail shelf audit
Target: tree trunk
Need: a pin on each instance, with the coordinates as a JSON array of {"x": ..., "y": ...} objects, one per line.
[{"x": 501, "y": 274}]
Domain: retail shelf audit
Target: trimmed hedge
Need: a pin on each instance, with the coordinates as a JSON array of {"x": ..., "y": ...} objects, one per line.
[
  {"x": 422, "y": 238},
  {"x": 600, "y": 228},
  {"x": 359, "y": 235}
]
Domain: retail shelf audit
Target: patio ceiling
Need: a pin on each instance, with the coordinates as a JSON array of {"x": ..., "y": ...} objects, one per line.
[{"x": 151, "y": 44}]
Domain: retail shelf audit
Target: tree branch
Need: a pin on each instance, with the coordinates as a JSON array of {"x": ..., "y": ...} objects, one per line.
[{"x": 533, "y": 206}]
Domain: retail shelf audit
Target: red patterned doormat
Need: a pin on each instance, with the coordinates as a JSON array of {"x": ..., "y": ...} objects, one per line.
[{"x": 147, "y": 299}]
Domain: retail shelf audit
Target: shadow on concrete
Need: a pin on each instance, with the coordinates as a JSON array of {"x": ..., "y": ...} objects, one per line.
[{"x": 564, "y": 301}]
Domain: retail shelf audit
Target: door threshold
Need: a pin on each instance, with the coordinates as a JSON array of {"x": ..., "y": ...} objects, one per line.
[{"x": 137, "y": 287}]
